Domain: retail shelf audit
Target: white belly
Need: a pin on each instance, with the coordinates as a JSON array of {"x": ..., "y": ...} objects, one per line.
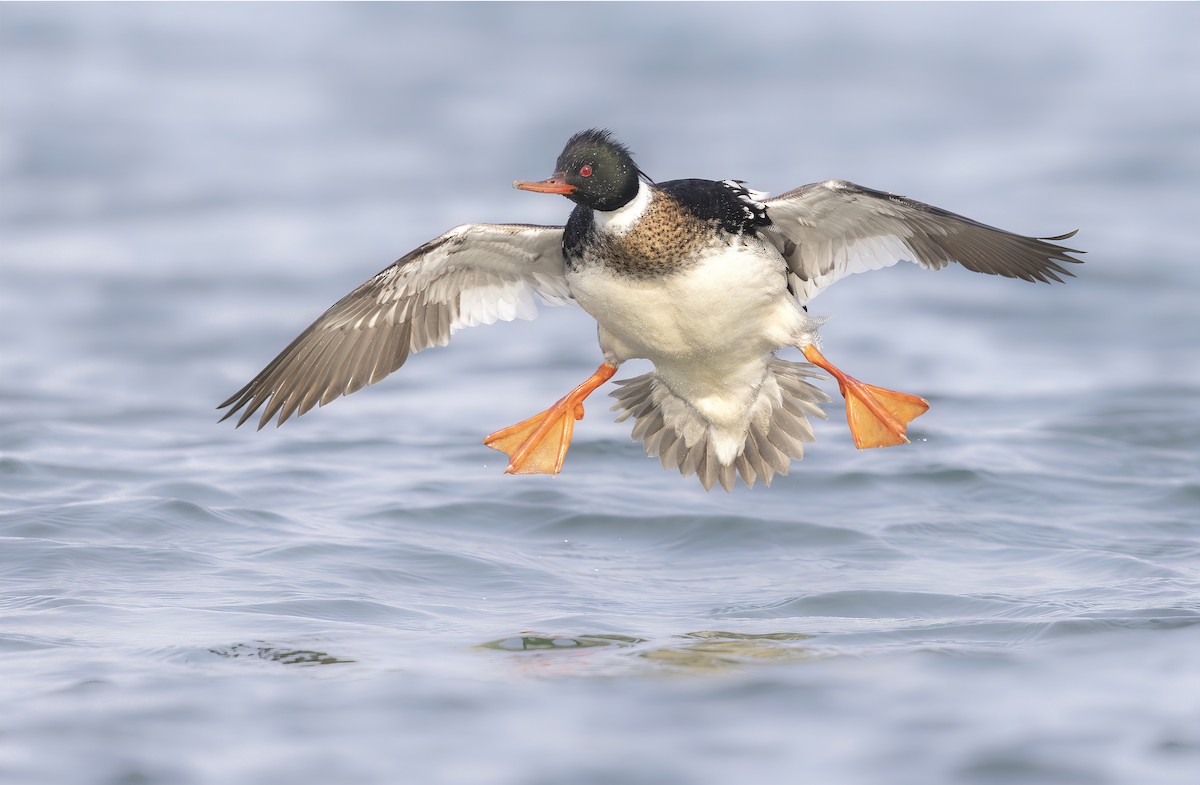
[{"x": 708, "y": 326}]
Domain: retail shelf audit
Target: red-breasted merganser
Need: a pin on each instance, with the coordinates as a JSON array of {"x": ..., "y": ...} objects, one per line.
[{"x": 706, "y": 279}]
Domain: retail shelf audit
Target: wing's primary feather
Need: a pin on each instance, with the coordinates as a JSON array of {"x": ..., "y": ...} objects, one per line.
[
  {"x": 829, "y": 230},
  {"x": 472, "y": 274}
]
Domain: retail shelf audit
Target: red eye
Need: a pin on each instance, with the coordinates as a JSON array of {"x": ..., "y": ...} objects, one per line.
[{"x": 585, "y": 170}]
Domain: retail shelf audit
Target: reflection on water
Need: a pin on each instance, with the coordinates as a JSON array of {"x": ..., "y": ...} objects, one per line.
[
  {"x": 707, "y": 650},
  {"x": 719, "y": 651},
  {"x": 283, "y": 656},
  {"x": 527, "y": 641}
]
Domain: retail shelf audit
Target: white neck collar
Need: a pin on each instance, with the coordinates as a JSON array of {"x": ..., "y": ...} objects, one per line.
[{"x": 623, "y": 219}]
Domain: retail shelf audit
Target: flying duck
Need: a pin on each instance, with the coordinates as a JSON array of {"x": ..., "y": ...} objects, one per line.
[{"x": 706, "y": 279}]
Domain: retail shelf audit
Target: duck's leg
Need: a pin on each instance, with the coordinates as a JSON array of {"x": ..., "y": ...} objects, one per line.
[
  {"x": 539, "y": 445},
  {"x": 877, "y": 417}
]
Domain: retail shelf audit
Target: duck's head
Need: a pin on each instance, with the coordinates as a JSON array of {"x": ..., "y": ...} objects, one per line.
[{"x": 594, "y": 170}]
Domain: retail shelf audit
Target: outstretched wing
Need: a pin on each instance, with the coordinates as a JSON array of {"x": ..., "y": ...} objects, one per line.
[
  {"x": 472, "y": 274},
  {"x": 829, "y": 230}
]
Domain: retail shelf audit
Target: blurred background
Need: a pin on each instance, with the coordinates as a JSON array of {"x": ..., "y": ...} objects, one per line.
[{"x": 184, "y": 187}]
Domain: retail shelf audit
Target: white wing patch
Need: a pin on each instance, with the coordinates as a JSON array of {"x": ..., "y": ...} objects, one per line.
[
  {"x": 499, "y": 302},
  {"x": 835, "y": 260}
]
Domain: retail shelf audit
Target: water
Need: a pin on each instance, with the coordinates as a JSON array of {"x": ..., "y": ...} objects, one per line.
[{"x": 362, "y": 597}]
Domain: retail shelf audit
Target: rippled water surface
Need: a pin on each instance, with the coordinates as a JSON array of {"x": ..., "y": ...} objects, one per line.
[{"x": 362, "y": 597}]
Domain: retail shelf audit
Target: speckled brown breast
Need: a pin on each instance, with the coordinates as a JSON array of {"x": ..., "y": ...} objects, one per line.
[{"x": 666, "y": 240}]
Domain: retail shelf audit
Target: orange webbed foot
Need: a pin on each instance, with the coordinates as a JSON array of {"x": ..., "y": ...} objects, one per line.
[
  {"x": 539, "y": 445},
  {"x": 878, "y": 417}
]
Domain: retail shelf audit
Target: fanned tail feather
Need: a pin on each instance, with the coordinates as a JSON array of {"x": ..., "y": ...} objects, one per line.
[{"x": 673, "y": 431}]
